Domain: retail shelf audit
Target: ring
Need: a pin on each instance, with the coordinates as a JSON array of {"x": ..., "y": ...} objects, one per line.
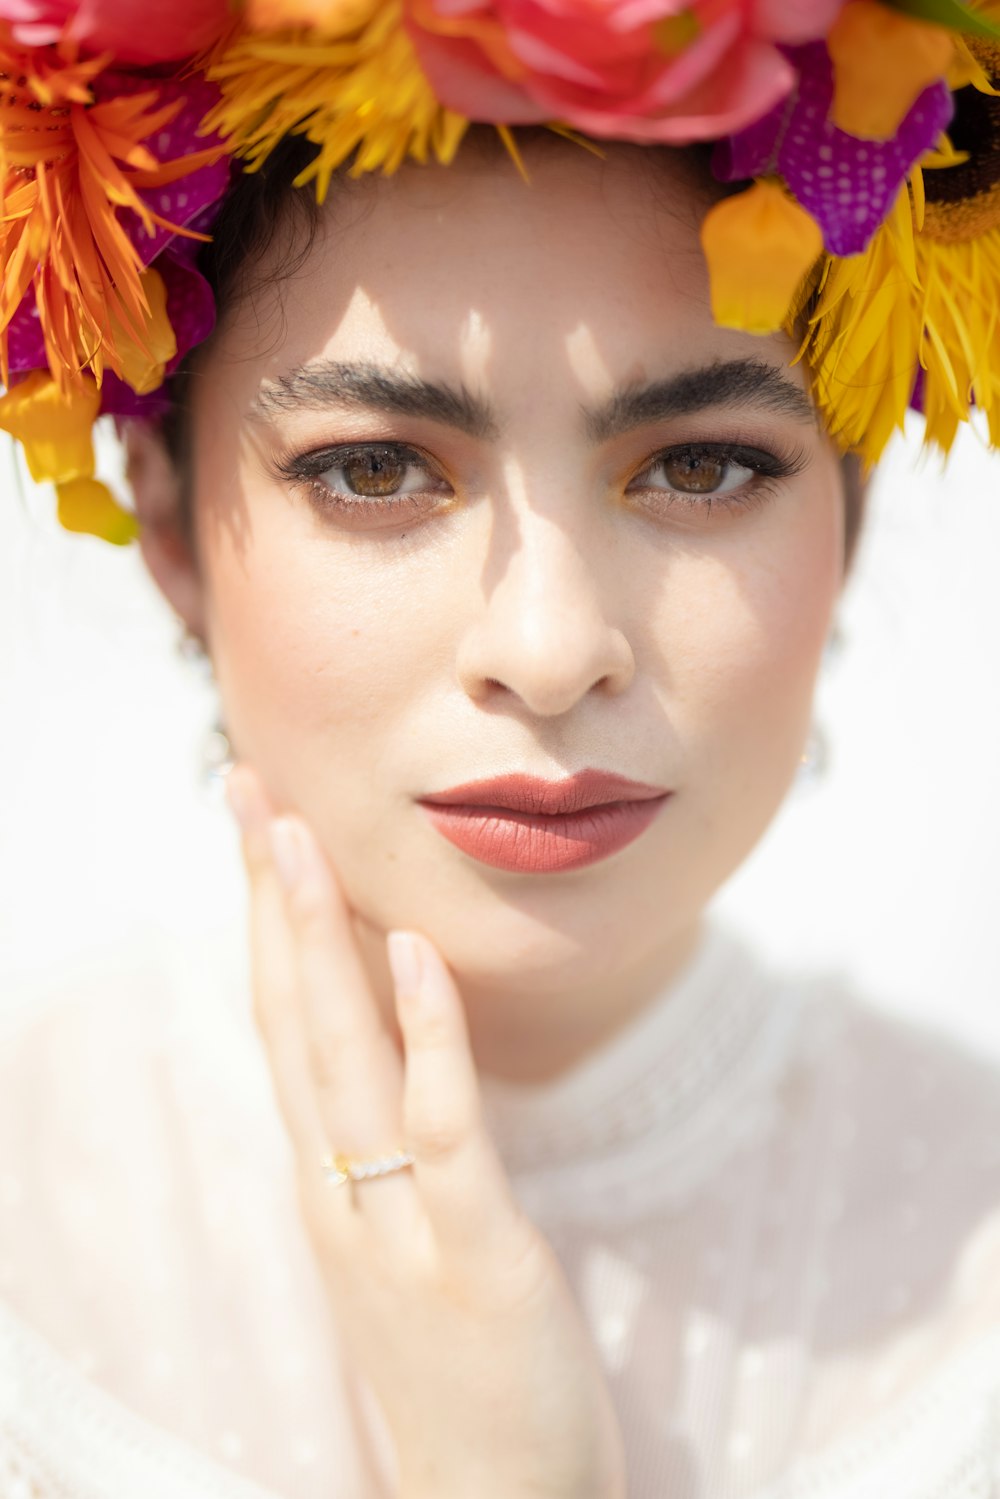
[{"x": 341, "y": 1168}]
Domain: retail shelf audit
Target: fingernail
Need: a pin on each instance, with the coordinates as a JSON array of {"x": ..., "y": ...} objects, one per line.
[
  {"x": 405, "y": 962},
  {"x": 286, "y": 850}
]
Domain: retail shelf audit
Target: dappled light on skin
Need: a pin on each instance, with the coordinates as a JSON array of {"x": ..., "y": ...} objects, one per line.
[{"x": 527, "y": 570}]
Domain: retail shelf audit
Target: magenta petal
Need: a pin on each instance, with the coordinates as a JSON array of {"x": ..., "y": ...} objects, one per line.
[
  {"x": 847, "y": 184},
  {"x": 119, "y": 399},
  {"x": 185, "y": 201},
  {"x": 190, "y": 303},
  {"x": 25, "y": 344}
]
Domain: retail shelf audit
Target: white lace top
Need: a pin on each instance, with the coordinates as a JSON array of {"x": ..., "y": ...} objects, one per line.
[{"x": 780, "y": 1211}]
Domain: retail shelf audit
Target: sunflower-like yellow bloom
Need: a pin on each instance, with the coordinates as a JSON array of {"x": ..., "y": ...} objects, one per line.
[
  {"x": 759, "y": 246},
  {"x": 908, "y": 302},
  {"x": 362, "y": 92}
]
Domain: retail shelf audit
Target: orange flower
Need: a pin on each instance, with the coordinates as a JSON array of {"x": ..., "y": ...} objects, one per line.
[
  {"x": 759, "y": 245},
  {"x": 335, "y": 17},
  {"x": 70, "y": 163},
  {"x": 882, "y": 62}
]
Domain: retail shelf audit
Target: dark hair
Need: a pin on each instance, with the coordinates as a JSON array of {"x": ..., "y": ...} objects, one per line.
[{"x": 261, "y": 205}]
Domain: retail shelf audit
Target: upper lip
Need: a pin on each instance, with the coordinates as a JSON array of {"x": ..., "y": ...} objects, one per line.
[{"x": 528, "y": 793}]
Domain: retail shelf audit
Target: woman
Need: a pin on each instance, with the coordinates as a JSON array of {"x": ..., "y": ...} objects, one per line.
[{"x": 515, "y": 569}]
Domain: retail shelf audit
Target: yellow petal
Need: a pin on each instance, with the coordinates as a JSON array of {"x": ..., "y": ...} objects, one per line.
[
  {"x": 54, "y": 426},
  {"x": 882, "y": 61},
  {"x": 142, "y": 367},
  {"x": 88, "y": 505},
  {"x": 759, "y": 246}
]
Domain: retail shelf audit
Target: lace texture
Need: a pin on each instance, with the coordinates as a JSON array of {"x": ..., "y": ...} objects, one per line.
[{"x": 778, "y": 1209}]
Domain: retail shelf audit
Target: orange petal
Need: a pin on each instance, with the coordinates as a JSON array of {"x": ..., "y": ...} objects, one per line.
[
  {"x": 759, "y": 245},
  {"x": 88, "y": 505},
  {"x": 330, "y": 16},
  {"x": 882, "y": 61},
  {"x": 54, "y": 426}
]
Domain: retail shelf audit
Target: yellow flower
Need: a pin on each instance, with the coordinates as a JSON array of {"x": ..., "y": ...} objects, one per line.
[
  {"x": 909, "y": 301},
  {"x": 55, "y": 428},
  {"x": 759, "y": 245},
  {"x": 362, "y": 93},
  {"x": 882, "y": 61},
  {"x": 143, "y": 364},
  {"x": 53, "y": 425},
  {"x": 88, "y": 505}
]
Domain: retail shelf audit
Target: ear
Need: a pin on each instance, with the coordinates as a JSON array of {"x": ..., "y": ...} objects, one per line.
[{"x": 167, "y": 548}]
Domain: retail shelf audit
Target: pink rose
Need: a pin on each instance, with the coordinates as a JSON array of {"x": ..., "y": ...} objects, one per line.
[
  {"x": 140, "y": 35},
  {"x": 642, "y": 70}
]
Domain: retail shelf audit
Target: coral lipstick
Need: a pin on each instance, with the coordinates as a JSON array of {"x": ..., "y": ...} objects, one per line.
[{"x": 527, "y": 825}]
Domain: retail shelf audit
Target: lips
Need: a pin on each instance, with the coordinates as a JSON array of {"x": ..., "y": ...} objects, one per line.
[{"x": 527, "y": 825}]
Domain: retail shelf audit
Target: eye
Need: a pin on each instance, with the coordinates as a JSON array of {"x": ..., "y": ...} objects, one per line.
[
  {"x": 735, "y": 475},
  {"x": 369, "y": 481},
  {"x": 372, "y": 471},
  {"x": 693, "y": 472}
]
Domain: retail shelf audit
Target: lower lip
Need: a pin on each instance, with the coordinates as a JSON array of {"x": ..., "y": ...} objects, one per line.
[{"x": 529, "y": 843}]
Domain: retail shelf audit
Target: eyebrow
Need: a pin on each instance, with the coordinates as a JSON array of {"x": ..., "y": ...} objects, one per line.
[
  {"x": 744, "y": 383},
  {"x": 323, "y": 383},
  {"x": 372, "y": 387}
]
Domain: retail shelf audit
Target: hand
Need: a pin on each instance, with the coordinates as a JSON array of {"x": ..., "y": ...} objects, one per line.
[{"x": 452, "y": 1304}]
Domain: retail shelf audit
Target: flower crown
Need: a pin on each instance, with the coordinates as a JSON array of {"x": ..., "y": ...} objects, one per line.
[{"x": 865, "y": 132}]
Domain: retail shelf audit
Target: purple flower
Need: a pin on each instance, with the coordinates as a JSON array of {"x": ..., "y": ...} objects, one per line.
[{"x": 847, "y": 184}]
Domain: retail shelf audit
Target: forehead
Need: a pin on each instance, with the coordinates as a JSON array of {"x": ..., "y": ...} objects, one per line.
[{"x": 592, "y": 266}]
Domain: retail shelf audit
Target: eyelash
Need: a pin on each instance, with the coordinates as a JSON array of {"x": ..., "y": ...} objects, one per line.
[
  {"x": 307, "y": 469},
  {"x": 768, "y": 468}
]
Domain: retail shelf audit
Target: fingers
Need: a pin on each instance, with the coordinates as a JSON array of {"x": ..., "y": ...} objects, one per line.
[
  {"x": 340, "y": 1081},
  {"x": 275, "y": 998},
  {"x": 336, "y": 1071},
  {"x": 461, "y": 1179},
  {"x": 356, "y": 1071}
]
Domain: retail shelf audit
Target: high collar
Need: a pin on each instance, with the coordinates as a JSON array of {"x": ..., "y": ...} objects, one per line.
[{"x": 661, "y": 1082}]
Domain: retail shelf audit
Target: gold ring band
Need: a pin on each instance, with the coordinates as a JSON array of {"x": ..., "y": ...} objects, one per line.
[{"x": 339, "y": 1168}]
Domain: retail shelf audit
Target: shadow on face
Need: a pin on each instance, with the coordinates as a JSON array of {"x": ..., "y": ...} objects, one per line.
[{"x": 477, "y": 486}]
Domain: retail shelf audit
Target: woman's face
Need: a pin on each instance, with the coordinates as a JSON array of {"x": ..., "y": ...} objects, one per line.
[{"x": 482, "y": 490}]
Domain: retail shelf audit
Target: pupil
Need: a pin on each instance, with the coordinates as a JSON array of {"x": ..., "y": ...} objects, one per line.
[
  {"x": 374, "y": 474},
  {"x": 702, "y": 475}
]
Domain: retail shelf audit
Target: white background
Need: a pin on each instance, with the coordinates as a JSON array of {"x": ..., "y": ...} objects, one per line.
[{"x": 888, "y": 868}]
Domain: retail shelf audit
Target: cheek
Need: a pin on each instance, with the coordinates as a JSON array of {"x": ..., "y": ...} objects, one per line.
[
  {"x": 742, "y": 629},
  {"x": 319, "y": 648}
]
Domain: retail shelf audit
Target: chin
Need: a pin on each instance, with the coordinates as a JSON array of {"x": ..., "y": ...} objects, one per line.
[{"x": 542, "y": 934}]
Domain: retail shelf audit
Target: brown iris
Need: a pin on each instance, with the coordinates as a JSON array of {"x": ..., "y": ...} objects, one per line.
[
  {"x": 375, "y": 473},
  {"x": 698, "y": 473}
]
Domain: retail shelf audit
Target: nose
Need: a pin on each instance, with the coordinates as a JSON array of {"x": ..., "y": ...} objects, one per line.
[{"x": 546, "y": 631}]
